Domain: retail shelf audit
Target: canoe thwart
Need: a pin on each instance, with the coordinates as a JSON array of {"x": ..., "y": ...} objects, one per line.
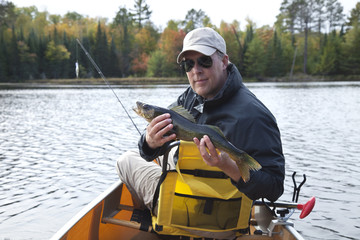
[
  {"x": 126, "y": 207},
  {"x": 140, "y": 219}
]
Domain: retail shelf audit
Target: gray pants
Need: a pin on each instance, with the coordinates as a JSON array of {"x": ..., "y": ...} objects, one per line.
[{"x": 141, "y": 177}]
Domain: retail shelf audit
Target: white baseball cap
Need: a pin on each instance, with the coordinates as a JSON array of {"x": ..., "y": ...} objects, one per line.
[{"x": 204, "y": 40}]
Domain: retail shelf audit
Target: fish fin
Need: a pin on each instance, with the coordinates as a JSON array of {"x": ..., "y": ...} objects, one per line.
[
  {"x": 244, "y": 172},
  {"x": 183, "y": 112},
  {"x": 245, "y": 163}
]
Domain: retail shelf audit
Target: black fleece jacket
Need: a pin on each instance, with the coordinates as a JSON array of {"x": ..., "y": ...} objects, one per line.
[{"x": 247, "y": 124}]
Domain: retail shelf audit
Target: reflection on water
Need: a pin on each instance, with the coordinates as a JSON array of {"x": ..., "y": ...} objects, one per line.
[{"x": 58, "y": 149}]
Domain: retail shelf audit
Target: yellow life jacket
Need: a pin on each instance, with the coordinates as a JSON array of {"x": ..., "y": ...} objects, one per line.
[{"x": 199, "y": 198}]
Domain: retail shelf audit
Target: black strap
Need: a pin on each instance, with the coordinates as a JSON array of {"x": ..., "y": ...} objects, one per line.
[
  {"x": 157, "y": 190},
  {"x": 208, "y": 206},
  {"x": 205, "y": 198},
  {"x": 143, "y": 217},
  {"x": 204, "y": 173}
]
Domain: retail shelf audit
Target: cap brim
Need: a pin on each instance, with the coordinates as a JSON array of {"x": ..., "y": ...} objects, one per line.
[{"x": 206, "y": 50}]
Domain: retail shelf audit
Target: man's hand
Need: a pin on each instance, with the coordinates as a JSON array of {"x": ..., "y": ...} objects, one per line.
[
  {"x": 156, "y": 130},
  {"x": 221, "y": 160},
  {"x": 211, "y": 157}
]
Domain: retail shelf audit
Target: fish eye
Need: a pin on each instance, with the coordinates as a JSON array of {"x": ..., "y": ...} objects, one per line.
[{"x": 146, "y": 107}]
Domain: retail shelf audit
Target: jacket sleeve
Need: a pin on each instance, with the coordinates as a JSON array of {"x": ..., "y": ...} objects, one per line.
[
  {"x": 262, "y": 141},
  {"x": 262, "y": 184}
]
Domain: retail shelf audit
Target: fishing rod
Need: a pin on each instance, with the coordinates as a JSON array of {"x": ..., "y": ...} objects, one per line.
[{"x": 107, "y": 83}]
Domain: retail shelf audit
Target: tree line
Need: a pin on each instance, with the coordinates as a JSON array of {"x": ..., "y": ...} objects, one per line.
[{"x": 309, "y": 36}]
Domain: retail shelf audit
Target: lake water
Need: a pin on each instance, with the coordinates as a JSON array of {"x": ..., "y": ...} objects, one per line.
[{"x": 58, "y": 148}]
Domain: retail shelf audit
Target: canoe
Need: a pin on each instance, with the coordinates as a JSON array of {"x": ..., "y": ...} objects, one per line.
[{"x": 109, "y": 216}]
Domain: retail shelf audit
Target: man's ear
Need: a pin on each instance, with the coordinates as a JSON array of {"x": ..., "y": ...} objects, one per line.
[{"x": 225, "y": 61}]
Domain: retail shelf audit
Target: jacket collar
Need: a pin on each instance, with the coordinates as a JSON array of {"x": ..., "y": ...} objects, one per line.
[{"x": 231, "y": 86}]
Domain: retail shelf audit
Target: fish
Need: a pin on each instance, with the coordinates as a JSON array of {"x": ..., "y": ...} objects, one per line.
[{"x": 185, "y": 128}]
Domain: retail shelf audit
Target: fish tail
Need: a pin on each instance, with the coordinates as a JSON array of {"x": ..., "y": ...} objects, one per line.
[{"x": 246, "y": 163}]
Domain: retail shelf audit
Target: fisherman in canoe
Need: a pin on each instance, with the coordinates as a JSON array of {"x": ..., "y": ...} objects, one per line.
[{"x": 216, "y": 96}]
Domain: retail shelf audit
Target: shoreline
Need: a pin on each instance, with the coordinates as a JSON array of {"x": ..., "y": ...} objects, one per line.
[
  {"x": 112, "y": 81},
  {"x": 93, "y": 82},
  {"x": 133, "y": 81}
]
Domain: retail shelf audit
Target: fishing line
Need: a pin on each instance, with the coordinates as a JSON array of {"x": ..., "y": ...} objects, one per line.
[{"x": 107, "y": 83}]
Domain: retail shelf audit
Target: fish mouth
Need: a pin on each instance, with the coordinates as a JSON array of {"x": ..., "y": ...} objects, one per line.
[
  {"x": 139, "y": 108},
  {"x": 144, "y": 110},
  {"x": 140, "y": 105}
]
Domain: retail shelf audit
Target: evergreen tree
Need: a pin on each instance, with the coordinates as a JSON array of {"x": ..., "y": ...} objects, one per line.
[
  {"x": 286, "y": 20},
  {"x": 26, "y": 60},
  {"x": 141, "y": 13},
  {"x": 195, "y": 19},
  {"x": 335, "y": 14},
  {"x": 84, "y": 63},
  {"x": 351, "y": 51},
  {"x": 114, "y": 69},
  {"x": 124, "y": 22},
  {"x": 32, "y": 42},
  {"x": 101, "y": 50},
  {"x": 7, "y": 14},
  {"x": 249, "y": 36},
  {"x": 255, "y": 63},
  {"x": 319, "y": 12},
  {"x": 3, "y": 57},
  {"x": 275, "y": 61},
  {"x": 42, "y": 63},
  {"x": 33, "y": 49},
  {"x": 303, "y": 15},
  {"x": 13, "y": 57},
  {"x": 330, "y": 59},
  {"x": 354, "y": 15},
  {"x": 67, "y": 65}
]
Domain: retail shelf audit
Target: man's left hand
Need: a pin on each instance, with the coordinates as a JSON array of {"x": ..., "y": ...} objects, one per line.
[{"x": 213, "y": 158}]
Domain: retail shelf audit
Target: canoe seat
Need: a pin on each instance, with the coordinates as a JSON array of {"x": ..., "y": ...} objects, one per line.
[{"x": 140, "y": 219}]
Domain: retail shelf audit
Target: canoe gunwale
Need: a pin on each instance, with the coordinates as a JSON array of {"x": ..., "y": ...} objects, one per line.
[{"x": 88, "y": 208}]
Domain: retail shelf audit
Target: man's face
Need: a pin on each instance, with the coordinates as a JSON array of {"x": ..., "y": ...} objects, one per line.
[{"x": 207, "y": 82}]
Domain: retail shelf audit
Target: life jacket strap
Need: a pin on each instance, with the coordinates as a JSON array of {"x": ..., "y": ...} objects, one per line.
[{"x": 204, "y": 173}]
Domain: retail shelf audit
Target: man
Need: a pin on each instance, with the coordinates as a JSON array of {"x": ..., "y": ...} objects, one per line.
[{"x": 216, "y": 96}]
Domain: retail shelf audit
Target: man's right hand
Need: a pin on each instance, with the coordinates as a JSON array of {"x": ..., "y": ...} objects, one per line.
[{"x": 156, "y": 130}]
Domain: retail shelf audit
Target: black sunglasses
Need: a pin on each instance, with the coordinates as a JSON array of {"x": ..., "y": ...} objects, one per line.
[{"x": 203, "y": 61}]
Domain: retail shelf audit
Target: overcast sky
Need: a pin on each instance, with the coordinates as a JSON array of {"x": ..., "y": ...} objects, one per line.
[{"x": 262, "y": 12}]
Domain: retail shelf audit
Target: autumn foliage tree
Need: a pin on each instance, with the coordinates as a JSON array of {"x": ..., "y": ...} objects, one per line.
[
  {"x": 309, "y": 36},
  {"x": 55, "y": 54}
]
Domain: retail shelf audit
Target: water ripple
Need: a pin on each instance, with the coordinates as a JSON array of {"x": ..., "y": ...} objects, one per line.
[{"x": 59, "y": 147}]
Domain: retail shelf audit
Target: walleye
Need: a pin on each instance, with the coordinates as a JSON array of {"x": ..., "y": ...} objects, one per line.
[{"x": 186, "y": 129}]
